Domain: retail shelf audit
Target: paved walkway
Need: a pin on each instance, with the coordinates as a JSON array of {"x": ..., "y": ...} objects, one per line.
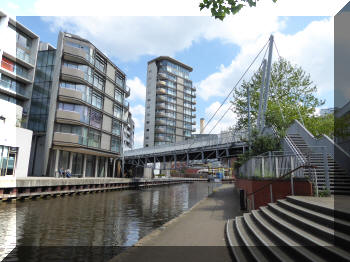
[{"x": 197, "y": 235}]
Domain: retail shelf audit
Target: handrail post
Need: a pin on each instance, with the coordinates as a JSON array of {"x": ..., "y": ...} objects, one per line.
[
  {"x": 271, "y": 196},
  {"x": 325, "y": 167},
  {"x": 253, "y": 202}
]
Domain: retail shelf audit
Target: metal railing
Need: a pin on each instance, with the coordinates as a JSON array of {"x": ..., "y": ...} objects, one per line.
[
  {"x": 205, "y": 141},
  {"x": 21, "y": 54},
  {"x": 17, "y": 89}
]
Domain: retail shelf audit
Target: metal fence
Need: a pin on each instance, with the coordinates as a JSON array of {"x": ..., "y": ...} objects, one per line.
[{"x": 271, "y": 165}]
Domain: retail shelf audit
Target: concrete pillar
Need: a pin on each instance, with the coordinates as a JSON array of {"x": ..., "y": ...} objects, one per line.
[
  {"x": 84, "y": 165},
  {"x": 56, "y": 162},
  {"x": 96, "y": 166},
  {"x": 106, "y": 166},
  {"x": 113, "y": 172},
  {"x": 70, "y": 161}
]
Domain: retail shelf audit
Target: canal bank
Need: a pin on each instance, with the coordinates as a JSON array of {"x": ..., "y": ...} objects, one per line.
[
  {"x": 28, "y": 188},
  {"x": 196, "y": 235}
]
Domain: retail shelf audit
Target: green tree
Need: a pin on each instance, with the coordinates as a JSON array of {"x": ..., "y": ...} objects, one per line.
[
  {"x": 291, "y": 96},
  {"x": 220, "y": 8}
]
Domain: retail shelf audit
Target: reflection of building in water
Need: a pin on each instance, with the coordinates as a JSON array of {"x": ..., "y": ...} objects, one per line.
[{"x": 9, "y": 230}]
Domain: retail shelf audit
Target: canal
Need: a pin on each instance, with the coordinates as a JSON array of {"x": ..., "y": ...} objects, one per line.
[{"x": 91, "y": 227}]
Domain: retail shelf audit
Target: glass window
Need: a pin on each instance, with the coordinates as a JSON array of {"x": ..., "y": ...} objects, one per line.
[
  {"x": 115, "y": 144},
  {"x": 94, "y": 138},
  {"x": 100, "y": 63},
  {"x": 99, "y": 82},
  {"x": 118, "y": 96},
  {"x": 117, "y": 112},
  {"x": 95, "y": 118},
  {"x": 120, "y": 80},
  {"x": 96, "y": 100},
  {"x": 116, "y": 127}
]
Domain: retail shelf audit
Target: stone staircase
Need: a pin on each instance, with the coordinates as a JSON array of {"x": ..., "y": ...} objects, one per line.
[
  {"x": 292, "y": 229},
  {"x": 339, "y": 179}
]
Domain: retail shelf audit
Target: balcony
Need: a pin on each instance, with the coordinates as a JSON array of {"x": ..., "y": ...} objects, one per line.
[
  {"x": 162, "y": 76},
  {"x": 162, "y": 83},
  {"x": 65, "y": 138},
  {"x": 161, "y": 91},
  {"x": 194, "y": 122},
  {"x": 126, "y": 104},
  {"x": 161, "y": 114},
  {"x": 160, "y": 122},
  {"x": 69, "y": 95},
  {"x": 73, "y": 75},
  {"x": 68, "y": 115},
  {"x": 12, "y": 69},
  {"x": 161, "y": 99},
  {"x": 194, "y": 116},
  {"x": 24, "y": 56},
  {"x": 161, "y": 106},
  {"x": 127, "y": 91},
  {"x": 15, "y": 90},
  {"x": 193, "y": 129},
  {"x": 194, "y": 108},
  {"x": 193, "y": 102},
  {"x": 77, "y": 55},
  {"x": 160, "y": 130}
]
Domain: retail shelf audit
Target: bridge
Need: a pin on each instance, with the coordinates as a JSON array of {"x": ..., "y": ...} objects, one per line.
[{"x": 204, "y": 147}]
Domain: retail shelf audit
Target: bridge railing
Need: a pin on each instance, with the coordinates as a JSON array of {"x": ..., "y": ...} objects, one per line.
[{"x": 204, "y": 141}]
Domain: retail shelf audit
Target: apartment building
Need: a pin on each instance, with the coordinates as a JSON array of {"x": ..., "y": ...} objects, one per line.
[
  {"x": 79, "y": 110},
  {"x": 129, "y": 132},
  {"x": 170, "y": 102},
  {"x": 18, "y": 49}
]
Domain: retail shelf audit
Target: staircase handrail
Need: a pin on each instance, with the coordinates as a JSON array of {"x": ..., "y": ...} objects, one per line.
[
  {"x": 280, "y": 178},
  {"x": 295, "y": 150},
  {"x": 342, "y": 157}
]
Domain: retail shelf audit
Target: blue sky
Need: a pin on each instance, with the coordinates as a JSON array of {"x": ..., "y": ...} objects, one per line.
[{"x": 219, "y": 52}]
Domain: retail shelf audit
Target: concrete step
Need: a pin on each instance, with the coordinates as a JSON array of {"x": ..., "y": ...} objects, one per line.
[
  {"x": 250, "y": 241},
  {"x": 320, "y": 208},
  {"x": 326, "y": 248},
  {"x": 299, "y": 252},
  {"x": 326, "y": 220},
  {"x": 235, "y": 244},
  {"x": 313, "y": 227}
]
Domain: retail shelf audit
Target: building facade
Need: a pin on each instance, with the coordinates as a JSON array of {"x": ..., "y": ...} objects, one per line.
[
  {"x": 129, "y": 132},
  {"x": 170, "y": 102},
  {"x": 79, "y": 110},
  {"x": 18, "y": 49}
]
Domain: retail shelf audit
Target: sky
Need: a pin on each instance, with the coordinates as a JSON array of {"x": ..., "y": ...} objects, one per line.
[{"x": 219, "y": 52}]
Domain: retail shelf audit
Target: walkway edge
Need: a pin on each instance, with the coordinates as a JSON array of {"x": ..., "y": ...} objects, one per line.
[{"x": 157, "y": 231}]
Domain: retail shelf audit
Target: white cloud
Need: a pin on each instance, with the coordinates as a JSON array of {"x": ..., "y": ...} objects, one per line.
[
  {"x": 216, "y": 125},
  {"x": 138, "y": 115},
  {"x": 311, "y": 48},
  {"x": 138, "y": 139},
  {"x": 137, "y": 89}
]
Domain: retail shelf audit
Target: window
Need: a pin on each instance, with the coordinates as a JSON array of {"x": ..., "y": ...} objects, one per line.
[
  {"x": 117, "y": 112},
  {"x": 94, "y": 138},
  {"x": 118, "y": 96},
  {"x": 86, "y": 69},
  {"x": 99, "y": 82},
  {"x": 96, "y": 100},
  {"x": 120, "y": 80},
  {"x": 95, "y": 118},
  {"x": 21, "y": 38},
  {"x": 100, "y": 63},
  {"x": 8, "y": 159},
  {"x": 116, "y": 127},
  {"x": 115, "y": 144},
  {"x": 187, "y": 133}
]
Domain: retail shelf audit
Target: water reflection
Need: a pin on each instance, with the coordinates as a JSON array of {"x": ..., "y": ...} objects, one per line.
[{"x": 103, "y": 221}]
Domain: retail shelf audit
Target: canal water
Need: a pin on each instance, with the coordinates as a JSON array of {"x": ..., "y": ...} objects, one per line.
[{"x": 91, "y": 227}]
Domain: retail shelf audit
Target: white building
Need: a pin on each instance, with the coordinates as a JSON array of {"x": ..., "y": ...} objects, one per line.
[{"x": 18, "y": 52}]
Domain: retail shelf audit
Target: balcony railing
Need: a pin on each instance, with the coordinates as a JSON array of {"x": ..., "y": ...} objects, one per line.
[
  {"x": 17, "y": 89},
  {"x": 126, "y": 104},
  {"x": 13, "y": 68},
  {"x": 21, "y": 54}
]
